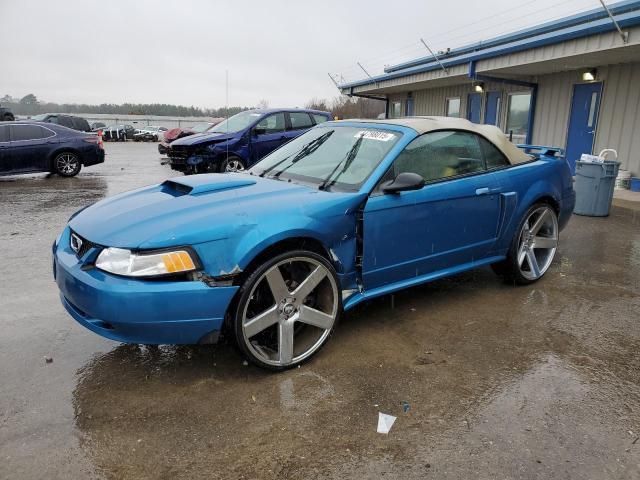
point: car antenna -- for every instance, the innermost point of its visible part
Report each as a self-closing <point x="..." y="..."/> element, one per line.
<point x="227" y="108"/>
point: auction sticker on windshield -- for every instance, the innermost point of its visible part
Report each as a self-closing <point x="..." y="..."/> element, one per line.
<point x="375" y="135"/>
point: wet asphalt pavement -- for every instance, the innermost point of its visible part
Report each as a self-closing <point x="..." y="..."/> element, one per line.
<point x="501" y="381"/>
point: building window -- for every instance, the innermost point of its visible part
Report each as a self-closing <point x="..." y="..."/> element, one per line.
<point x="396" y="109"/>
<point x="453" y="107"/>
<point x="518" y="116"/>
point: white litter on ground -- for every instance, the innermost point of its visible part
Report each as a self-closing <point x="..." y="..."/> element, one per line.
<point x="385" y="422"/>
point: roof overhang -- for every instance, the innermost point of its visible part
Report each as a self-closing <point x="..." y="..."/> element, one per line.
<point x="591" y="43"/>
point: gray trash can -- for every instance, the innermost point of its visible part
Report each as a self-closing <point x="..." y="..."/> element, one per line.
<point x="594" y="187"/>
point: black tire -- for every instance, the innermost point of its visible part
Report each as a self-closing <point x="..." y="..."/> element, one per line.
<point x="67" y="164"/>
<point x="232" y="160"/>
<point x="510" y="267"/>
<point x="8" y="117"/>
<point x="248" y="293"/>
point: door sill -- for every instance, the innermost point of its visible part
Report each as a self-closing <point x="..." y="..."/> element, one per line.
<point x="357" y="298"/>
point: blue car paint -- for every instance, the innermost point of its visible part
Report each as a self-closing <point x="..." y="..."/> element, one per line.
<point x="259" y="212"/>
<point x="211" y="148"/>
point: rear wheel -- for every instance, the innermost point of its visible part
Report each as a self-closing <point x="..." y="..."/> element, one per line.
<point x="67" y="164"/>
<point x="533" y="247"/>
<point x="8" y="117"/>
<point x="232" y="164"/>
<point x="287" y="310"/>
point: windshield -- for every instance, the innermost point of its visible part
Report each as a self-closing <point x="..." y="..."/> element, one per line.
<point x="200" y="127"/>
<point x="236" y="123"/>
<point x="39" y="118"/>
<point x="330" y="157"/>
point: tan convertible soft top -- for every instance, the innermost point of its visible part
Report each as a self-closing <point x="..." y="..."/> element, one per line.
<point x="490" y="132"/>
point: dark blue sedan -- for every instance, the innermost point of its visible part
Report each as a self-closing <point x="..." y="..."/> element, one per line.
<point x="27" y="147"/>
<point x="344" y="213"/>
<point x="240" y="141"/>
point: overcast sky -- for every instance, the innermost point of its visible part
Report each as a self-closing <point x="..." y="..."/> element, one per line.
<point x="178" y="51"/>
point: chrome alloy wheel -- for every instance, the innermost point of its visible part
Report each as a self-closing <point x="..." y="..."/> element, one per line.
<point x="291" y="310"/>
<point x="67" y="163"/>
<point x="234" y="165"/>
<point x="538" y="243"/>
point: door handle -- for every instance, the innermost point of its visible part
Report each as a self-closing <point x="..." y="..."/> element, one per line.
<point x="482" y="191"/>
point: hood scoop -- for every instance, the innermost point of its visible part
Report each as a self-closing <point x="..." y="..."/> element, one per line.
<point x="197" y="184"/>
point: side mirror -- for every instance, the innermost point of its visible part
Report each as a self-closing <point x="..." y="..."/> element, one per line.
<point x="259" y="131"/>
<point x="403" y="182"/>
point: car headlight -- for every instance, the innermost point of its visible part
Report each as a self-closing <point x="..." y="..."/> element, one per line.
<point x="125" y="262"/>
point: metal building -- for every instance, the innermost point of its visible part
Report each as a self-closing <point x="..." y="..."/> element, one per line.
<point x="573" y="83"/>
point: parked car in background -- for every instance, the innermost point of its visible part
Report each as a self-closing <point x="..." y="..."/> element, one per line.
<point x="118" y="133"/>
<point x="96" y="126"/>
<point x="149" y="133"/>
<point x="346" y="212"/>
<point x="27" y="147"/>
<point x="69" y="121"/>
<point x="242" y="140"/>
<point x="176" y="133"/>
<point x="6" y="115"/>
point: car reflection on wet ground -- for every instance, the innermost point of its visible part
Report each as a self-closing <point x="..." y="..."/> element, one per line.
<point x="501" y="382"/>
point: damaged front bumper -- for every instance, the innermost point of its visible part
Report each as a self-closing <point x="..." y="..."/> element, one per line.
<point x="135" y="310"/>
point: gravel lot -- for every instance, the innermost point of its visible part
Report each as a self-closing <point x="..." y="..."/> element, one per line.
<point x="502" y="382"/>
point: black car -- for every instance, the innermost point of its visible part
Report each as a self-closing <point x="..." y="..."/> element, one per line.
<point x="27" y="147"/>
<point x="6" y="115"/>
<point x="118" y="133"/>
<point x="69" y="121"/>
<point x="96" y="126"/>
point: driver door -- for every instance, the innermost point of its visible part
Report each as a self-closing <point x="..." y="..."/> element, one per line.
<point x="267" y="135"/>
<point x="451" y="221"/>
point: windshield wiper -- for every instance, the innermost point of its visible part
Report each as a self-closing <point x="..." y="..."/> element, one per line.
<point x="307" y="150"/>
<point x="347" y="160"/>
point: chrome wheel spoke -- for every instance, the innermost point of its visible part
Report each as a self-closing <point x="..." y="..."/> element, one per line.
<point x="540" y="221"/>
<point x="277" y="285"/>
<point x="309" y="283"/>
<point x="522" y="254"/>
<point x="261" y="322"/>
<point x="314" y="317"/>
<point x="285" y="342"/>
<point x="533" y="263"/>
<point x="545" y="242"/>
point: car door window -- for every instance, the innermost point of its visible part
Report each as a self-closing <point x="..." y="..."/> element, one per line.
<point x="21" y="133"/>
<point x="80" y="124"/>
<point x="4" y="133"/>
<point x="65" y="122"/>
<point x="300" y="120"/>
<point x="493" y="157"/>
<point x="319" y="118"/>
<point x="272" y="124"/>
<point x="439" y="155"/>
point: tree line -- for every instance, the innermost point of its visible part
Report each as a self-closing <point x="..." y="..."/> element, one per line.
<point x="340" y="107"/>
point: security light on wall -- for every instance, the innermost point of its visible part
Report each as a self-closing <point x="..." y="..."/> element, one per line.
<point x="589" y="75"/>
<point x="479" y="87"/>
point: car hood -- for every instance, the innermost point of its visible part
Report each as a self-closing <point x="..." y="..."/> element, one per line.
<point x="202" y="208"/>
<point x="204" y="138"/>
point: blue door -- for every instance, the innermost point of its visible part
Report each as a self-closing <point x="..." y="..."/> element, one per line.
<point x="474" y="107"/>
<point x="267" y="135"/>
<point x="450" y="222"/>
<point x="583" y="121"/>
<point x="492" y="113"/>
<point x="408" y="107"/>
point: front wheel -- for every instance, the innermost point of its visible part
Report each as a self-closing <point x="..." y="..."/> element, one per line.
<point x="287" y="310"/>
<point x="533" y="247"/>
<point x="67" y="164"/>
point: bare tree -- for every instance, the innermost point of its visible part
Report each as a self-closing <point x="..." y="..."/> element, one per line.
<point x="263" y="104"/>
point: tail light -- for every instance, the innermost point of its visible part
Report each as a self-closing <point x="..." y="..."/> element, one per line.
<point x="95" y="139"/>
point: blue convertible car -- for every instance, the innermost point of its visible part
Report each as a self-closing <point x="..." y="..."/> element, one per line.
<point x="345" y="212"/>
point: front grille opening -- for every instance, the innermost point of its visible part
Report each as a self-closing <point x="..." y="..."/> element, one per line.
<point x="85" y="245"/>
